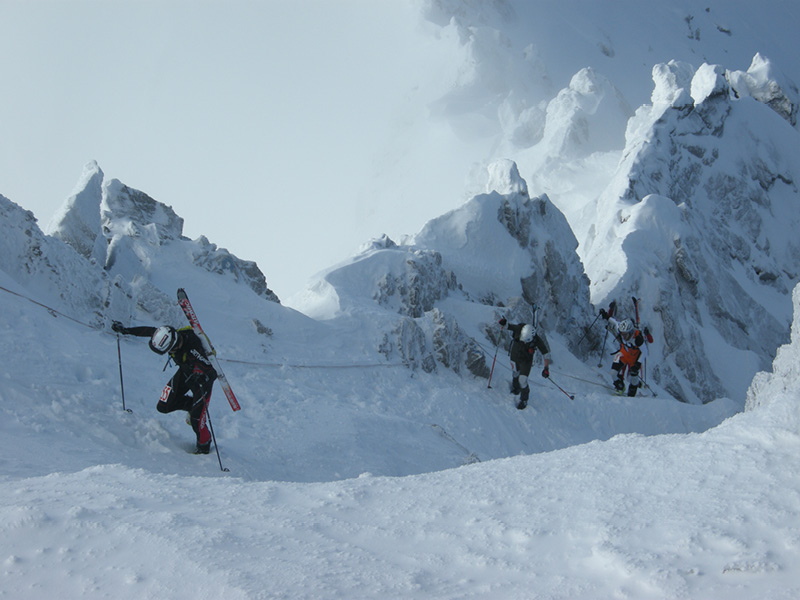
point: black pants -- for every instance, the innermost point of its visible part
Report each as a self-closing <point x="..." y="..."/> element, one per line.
<point x="190" y="390"/>
<point x="635" y="379"/>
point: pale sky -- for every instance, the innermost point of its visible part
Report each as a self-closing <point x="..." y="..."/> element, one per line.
<point x="268" y="126"/>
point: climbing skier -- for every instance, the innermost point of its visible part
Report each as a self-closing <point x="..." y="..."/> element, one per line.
<point x="631" y="354"/>
<point x="190" y="387"/>
<point x="525" y="340"/>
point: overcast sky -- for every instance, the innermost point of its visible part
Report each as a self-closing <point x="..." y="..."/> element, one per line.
<point x="268" y="126"/>
<point x="292" y="132"/>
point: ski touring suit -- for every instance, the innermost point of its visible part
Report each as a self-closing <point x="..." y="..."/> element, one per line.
<point x="190" y="387"/>
<point x="632" y="352"/>
<point x="522" y="354"/>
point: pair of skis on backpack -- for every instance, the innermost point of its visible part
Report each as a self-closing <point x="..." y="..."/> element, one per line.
<point x="188" y="310"/>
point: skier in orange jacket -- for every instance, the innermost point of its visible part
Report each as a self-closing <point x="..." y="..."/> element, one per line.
<point x="631" y="354"/>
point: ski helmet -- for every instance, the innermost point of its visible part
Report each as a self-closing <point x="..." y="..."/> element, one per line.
<point x="625" y="326"/>
<point x="526" y="335"/>
<point x="163" y="339"/>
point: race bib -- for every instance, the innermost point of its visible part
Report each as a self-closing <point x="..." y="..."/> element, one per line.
<point x="165" y="393"/>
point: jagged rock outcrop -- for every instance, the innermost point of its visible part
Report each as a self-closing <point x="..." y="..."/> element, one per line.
<point x="416" y="289"/>
<point x="55" y="274"/>
<point x="762" y="82"/>
<point x="408" y="342"/>
<point x="78" y="222"/>
<point x="489" y="253"/>
<point x="117" y="226"/>
<point x="503" y="244"/>
<point x="697" y="213"/>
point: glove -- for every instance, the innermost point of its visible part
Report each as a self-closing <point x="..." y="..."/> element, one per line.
<point x="604" y="314"/>
<point x="118" y="327"/>
<point x="503" y="322"/>
<point x="546" y="373"/>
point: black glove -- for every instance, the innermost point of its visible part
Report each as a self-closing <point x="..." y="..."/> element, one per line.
<point x="118" y="327"/>
<point x="503" y="322"/>
<point x="604" y="314"/>
<point x="546" y="373"/>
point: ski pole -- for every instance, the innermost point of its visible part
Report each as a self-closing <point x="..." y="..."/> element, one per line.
<point x="612" y="308"/>
<point x="214" y="439"/>
<point x="121" y="385"/>
<point x="587" y="330"/>
<point x="570" y="396"/>
<point x="497" y="346"/>
<point x="646" y="343"/>
<point x="494" y="360"/>
<point x="603" y="348"/>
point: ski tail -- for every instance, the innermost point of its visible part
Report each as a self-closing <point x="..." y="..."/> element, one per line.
<point x="191" y="316"/>
<point x="226" y="389"/>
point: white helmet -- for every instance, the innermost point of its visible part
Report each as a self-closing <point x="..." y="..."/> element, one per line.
<point x="526" y="335"/>
<point x="163" y="339"/>
<point x="625" y="326"/>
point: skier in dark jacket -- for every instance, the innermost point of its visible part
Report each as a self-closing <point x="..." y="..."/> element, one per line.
<point x="525" y="341"/>
<point x="190" y="387"/>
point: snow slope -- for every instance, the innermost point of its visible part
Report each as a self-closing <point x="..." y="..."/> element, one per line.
<point x="98" y="502"/>
<point x="350" y="475"/>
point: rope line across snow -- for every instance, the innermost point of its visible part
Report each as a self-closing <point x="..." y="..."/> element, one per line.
<point x="56" y="313"/>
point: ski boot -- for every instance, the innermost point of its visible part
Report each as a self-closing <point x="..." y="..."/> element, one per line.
<point x="523" y="398"/>
<point x="203" y="448"/>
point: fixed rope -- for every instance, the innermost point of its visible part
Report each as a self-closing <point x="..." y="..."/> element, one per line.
<point x="56" y="313"/>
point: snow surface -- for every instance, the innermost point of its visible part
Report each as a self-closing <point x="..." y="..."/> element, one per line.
<point x="350" y="475"/>
<point x="344" y="483"/>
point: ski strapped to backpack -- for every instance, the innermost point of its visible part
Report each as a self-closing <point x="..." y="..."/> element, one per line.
<point x="612" y="308"/>
<point x="183" y="301"/>
<point x="648" y="339"/>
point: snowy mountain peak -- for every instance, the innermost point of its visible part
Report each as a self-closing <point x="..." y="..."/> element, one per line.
<point x="136" y="210"/>
<point x="115" y="253"/>
<point x="499" y="253"/>
<point x="504" y="178"/>
<point x="723" y="261"/>
<point x="78" y="222"/>
<point x="764" y="82"/>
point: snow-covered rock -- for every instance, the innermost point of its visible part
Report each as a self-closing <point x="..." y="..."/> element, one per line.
<point x="715" y="268"/>
<point x="504" y="244"/>
<point x="49" y="269"/>
<point x="779" y="388"/>
<point x="763" y="82"/>
<point x="78" y="221"/>
<point x="123" y="229"/>
<point x="500" y="253"/>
